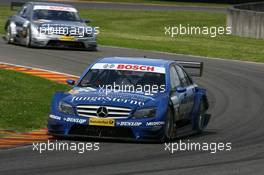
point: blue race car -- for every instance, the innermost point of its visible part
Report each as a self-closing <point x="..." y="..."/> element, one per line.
<point x="132" y="98"/>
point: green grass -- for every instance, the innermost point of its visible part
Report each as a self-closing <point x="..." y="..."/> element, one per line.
<point x="162" y="2"/>
<point x="145" y="30"/>
<point x="25" y="100"/>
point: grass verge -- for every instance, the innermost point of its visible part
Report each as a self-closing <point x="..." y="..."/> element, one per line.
<point x="145" y="30"/>
<point x="160" y="2"/>
<point x="25" y="100"/>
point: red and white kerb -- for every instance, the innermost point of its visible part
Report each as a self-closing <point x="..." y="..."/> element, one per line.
<point x="58" y="8"/>
<point x="130" y="67"/>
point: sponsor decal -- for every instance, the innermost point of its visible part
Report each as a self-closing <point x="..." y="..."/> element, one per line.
<point x="135" y="67"/>
<point x="159" y="123"/>
<point x="74" y="120"/>
<point x="59" y="8"/>
<point x="55" y="117"/>
<point x="129" y="123"/>
<point x="107" y="99"/>
<point x="101" y="122"/>
<point x="108" y="66"/>
<point x="130" y="67"/>
<point x="67" y="38"/>
<point x="41" y="21"/>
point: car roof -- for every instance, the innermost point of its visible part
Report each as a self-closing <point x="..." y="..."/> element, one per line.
<point x="50" y="4"/>
<point x="136" y="60"/>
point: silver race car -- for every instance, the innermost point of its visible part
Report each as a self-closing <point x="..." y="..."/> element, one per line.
<point x="39" y="24"/>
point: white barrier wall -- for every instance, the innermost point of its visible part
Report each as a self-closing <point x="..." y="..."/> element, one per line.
<point x="247" y="20"/>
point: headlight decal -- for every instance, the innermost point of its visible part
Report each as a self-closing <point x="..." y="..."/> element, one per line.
<point x="65" y="108"/>
<point x="145" y="113"/>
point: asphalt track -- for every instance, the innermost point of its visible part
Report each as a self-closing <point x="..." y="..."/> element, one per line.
<point x="236" y="97"/>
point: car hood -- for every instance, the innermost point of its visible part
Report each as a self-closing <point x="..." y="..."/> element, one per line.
<point x="57" y="23"/>
<point x="81" y="96"/>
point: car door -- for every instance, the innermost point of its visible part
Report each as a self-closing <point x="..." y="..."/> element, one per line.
<point x="186" y="82"/>
<point x="177" y="99"/>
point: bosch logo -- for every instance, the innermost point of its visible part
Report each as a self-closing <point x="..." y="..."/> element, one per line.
<point x="135" y="67"/>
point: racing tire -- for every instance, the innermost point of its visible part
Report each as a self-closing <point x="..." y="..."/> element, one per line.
<point x="57" y="137"/>
<point x="28" y="37"/>
<point x="92" y="48"/>
<point x="169" y="127"/>
<point x="8" y="35"/>
<point x="200" y="119"/>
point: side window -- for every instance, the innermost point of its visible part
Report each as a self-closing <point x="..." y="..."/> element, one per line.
<point x="174" y="78"/>
<point x="188" y="79"/>
<point x="25" y="11"/>
<point x="183" y="77"/>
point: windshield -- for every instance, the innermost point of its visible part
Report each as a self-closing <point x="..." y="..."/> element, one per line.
<point x="55" y="15"/>
<point x="132" y="81"/>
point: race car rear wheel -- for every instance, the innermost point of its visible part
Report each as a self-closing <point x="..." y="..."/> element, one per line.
<point x="200" y="119"/>
<point x="169" y="127"/>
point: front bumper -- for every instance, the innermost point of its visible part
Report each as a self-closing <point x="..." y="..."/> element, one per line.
<point x="55" y="41"/>
<point x="139" y="129"/>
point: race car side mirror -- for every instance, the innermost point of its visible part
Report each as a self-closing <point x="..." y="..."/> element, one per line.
<point x="86" y="20"/>
<point x="180" y="89"/>
<point x="70" y="82"/>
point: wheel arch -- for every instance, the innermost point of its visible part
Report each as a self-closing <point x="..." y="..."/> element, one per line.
<point x="170" y="106"/>
<point x="199" y="98"/>
<point x="6" y="24"/>
<point x="204" y="101"/>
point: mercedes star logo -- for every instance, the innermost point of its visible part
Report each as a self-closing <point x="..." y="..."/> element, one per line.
<point x="102" y="111"/>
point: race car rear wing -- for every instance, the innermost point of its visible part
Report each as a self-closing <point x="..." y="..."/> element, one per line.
<point x="16" y="4"/>
<point x="191" y="67"/>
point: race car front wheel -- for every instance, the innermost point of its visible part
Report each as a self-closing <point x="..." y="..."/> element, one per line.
<point x="92" y="48"/>
<point x="28" y="37"/>
<point x="8" y="35"/>
<point x="169" y="128"/>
